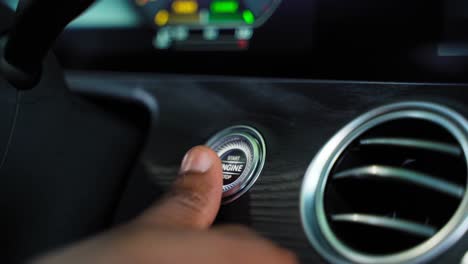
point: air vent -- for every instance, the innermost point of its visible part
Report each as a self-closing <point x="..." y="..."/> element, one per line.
<point x="390" y="186"/>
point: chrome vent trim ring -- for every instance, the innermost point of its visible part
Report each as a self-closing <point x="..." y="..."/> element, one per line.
<point x="313" y="213"/>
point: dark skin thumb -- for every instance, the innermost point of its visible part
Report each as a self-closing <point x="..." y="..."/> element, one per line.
<point x="195" y="197"/>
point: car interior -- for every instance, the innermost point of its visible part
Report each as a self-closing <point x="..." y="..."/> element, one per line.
<point x="342" y="126"/>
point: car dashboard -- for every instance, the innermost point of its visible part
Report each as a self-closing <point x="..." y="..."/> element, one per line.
<point x="358" y="108"/>
<point x="357" y="40"/>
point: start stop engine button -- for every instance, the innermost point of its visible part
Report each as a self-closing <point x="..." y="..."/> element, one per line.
<point x="242" y="153"/>
<point x="234" y="162"/>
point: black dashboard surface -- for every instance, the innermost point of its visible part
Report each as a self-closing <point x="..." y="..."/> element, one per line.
<point x="296" y="118"/>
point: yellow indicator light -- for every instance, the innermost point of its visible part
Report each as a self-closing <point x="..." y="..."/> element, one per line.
<point x="185" y="6"/>
<point x="161" y="18"/>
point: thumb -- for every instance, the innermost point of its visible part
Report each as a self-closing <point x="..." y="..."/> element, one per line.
<point x="195" y="197"/>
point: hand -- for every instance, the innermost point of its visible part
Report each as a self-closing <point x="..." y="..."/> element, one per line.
<point x="177" y="228"/>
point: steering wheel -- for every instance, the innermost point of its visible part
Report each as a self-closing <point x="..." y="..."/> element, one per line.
<point x="64" y="158"/>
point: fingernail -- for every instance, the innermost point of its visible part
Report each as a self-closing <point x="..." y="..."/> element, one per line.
<point x="196" y="161"/>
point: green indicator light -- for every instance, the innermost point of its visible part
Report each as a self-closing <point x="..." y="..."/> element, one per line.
<point x="224" y="6"/>
<point x="248" y="16"/>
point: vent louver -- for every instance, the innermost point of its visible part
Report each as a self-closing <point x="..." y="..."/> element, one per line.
<point x="389" y="187"/>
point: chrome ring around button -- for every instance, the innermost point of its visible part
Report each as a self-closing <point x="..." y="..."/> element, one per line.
<point x="242" y="151"/>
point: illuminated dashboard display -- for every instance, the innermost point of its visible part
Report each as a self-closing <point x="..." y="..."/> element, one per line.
<point x="206" y="24"/>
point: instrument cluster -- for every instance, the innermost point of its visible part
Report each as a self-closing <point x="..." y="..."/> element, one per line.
<point x="205" y="24"/>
